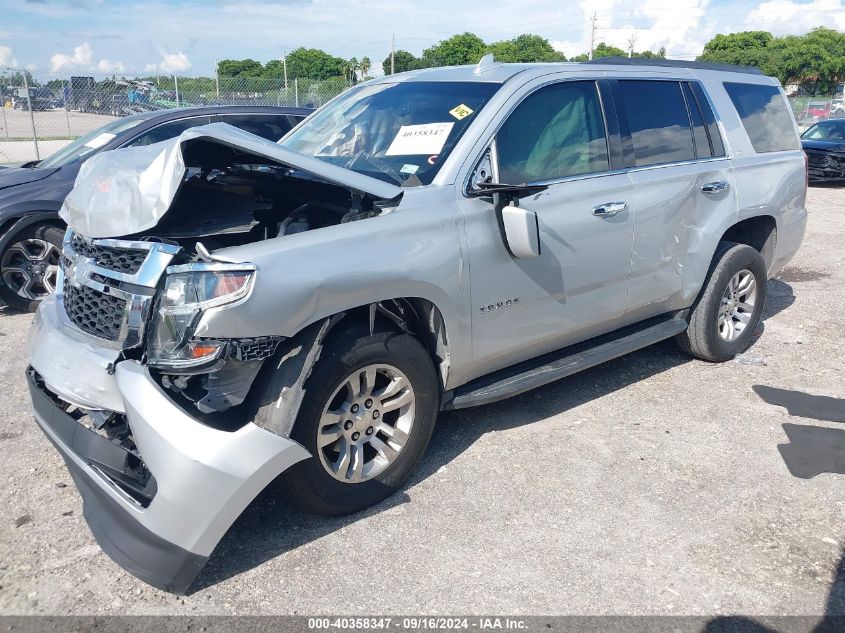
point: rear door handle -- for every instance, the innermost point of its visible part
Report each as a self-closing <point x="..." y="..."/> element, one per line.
<point x="714" y="187"/>
<point x="609" y="209"/>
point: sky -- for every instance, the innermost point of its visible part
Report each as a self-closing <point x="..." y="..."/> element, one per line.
<point x="189" y="36"/>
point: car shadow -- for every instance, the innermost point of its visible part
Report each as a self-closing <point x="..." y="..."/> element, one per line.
<point x="779" y="296"/>
<point x="273" y="524"/>
<point x="811" y="450"/>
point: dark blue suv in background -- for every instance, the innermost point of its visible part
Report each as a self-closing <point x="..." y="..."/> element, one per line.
<point x="32" y="194"/>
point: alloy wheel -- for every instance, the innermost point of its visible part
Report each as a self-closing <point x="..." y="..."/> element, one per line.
<point x="29" y="268"/>
<point x="737" y="305"/>
<point x="366" y="423"/>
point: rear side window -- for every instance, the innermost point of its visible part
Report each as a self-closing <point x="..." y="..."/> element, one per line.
<point x="269" y="126"/>
<point x="658" y="121"/>
<point x="557" y="131"/>
<point x="765" y="116"/>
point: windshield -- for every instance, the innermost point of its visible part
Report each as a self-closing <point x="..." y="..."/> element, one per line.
<point x="398" y="132"/>
<point x="84" y="145"/>
<point x="828" y="131"/>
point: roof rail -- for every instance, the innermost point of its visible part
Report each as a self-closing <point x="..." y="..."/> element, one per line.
<point x="675" y="63"/>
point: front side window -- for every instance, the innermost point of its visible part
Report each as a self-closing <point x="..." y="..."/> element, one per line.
<point x="398" y="132"/>
<point x="765" y="116"/>
<point x="167" y="131"/>
<point x="658" y="121"/>
<point x="555" y="132"/>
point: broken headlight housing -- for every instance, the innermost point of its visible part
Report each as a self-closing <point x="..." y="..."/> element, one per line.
<point x="189" y="291"/>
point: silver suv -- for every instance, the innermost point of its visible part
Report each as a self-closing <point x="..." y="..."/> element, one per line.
<point x="231" y="310"/>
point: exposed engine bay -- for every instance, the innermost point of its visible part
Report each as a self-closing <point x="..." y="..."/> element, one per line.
<point x="230" y="197"/>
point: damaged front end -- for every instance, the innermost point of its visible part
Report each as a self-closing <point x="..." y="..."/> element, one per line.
<point x="825" y="166"/>
<point x="168" y="431"/>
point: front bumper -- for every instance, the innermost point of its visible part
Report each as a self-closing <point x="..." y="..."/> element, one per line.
<point x="825" y="166"/>
<point x="204" y="477"/>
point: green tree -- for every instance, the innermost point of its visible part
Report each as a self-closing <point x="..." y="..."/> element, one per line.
<point x="747" y="48"/>
<point x="525" y="48"/>
<point x="350" y="70"/>
<point x="364" y="67"/>
<point x="660" y="54"/>
<point x="402" y="61"/>
<point x="240" y="68"/>
<point x="601" y="50"/>
<point x="313" y="63"/>
<point x="465" y="48"/>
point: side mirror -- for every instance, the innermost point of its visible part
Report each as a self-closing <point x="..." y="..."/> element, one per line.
<point x="521" y="231"/>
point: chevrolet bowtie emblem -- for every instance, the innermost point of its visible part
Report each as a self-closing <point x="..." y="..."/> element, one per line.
<point x="80" y="271"/>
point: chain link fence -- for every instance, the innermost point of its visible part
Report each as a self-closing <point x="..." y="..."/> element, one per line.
<point x="811" y="109"/>
<point x="42" y="113"/>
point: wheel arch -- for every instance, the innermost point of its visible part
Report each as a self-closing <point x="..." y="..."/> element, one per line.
<point x="279" y="386"/>
<point x="14" y="225"/>
<point x="758" y="232"/>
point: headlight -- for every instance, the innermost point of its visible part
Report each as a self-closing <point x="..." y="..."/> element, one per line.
<point x="189" y="291"/>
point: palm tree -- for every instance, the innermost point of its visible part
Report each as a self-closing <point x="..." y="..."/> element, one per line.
<point x="351" y="68"/>
<point x="364" y="67"/>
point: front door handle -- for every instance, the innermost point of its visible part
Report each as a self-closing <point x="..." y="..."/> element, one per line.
<point x="714" y="187"/>
<point x="609" y="209"/>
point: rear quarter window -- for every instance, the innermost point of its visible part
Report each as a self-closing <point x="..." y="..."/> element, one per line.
<point x="765" y="116"/>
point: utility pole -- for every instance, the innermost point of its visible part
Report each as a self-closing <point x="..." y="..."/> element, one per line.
<point x="392" y="53"/>
<point x="593" y="35"/>
<point x="285" y="64"/>
<point x="217" y="78"/>
<point x="631" y="41"/>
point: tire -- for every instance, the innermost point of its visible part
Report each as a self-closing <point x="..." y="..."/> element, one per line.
<point x="310" y="481"/>
<point x="20" y="288"/>
<point x="717" y="340"/>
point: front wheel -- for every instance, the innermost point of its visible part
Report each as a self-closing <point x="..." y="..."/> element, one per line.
<point x="367" y="417"/>
<point x="29" y="266"/>
<point x="730" y="307"/>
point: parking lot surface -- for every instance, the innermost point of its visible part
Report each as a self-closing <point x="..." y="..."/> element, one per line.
<point x="654" y="484"/>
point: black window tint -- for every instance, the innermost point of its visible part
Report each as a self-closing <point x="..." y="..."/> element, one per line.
<point x="658" y="121"/>
<point x="168" y="130"/>
<point x="269" y="126"/>
<point x="709" y="119"/>
<point x="555" y="132"/>
<point x="765" y="116"/>
<point x="699" y="132"/>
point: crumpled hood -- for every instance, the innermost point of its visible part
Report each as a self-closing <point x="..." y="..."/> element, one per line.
<point x="826" y="146"/>
<point x="12" y="176"/>
<point x="127" y="191"/>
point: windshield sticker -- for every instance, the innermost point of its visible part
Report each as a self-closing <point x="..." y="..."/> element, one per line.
<point x="409" y="169"/>
<point x="428" y="138"/>
<point x="461" y="112"/>
<point x="99" y="140"/>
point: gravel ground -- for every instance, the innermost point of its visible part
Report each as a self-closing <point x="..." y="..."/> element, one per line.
<point x="654" y="484"/>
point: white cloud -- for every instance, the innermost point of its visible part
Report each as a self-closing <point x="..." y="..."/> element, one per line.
<point x="82" y="55"/>
<point x="787" y="17"/>
<point x="108" y="66"/>
<point x="170" y="63"/>
<point x="6" y="57"/>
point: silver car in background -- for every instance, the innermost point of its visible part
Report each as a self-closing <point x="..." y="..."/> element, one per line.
<point x="231" y="310"/>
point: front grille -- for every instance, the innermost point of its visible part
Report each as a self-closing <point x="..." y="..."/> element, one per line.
<point x="94" y="312"/>
<point x="817" y="160"/>
<point x="120" y="260"/>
